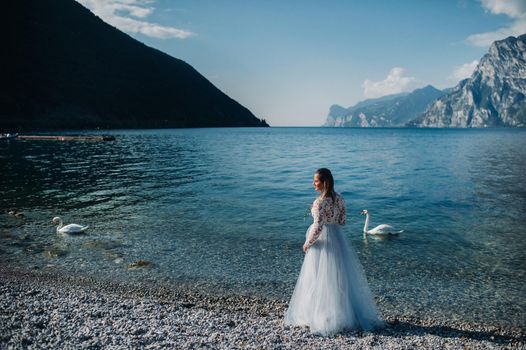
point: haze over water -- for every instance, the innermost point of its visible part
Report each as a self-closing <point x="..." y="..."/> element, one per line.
<point x="222" y="210"/>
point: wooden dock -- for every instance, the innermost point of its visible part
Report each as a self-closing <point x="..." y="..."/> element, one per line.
<point x="66" y="138"/>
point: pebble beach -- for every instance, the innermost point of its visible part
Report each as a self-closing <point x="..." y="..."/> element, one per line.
<point x="41" y="310"/>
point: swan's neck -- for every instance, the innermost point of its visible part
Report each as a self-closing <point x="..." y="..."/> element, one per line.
<point x="366" y="226"/>
<point x="60" y="224"/>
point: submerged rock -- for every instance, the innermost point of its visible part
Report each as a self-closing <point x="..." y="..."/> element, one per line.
<point x="139" y="264"/>
<point x="5" y="233"/>
<point x="53" y="253"/>
<point x="17" y="213"/>
<point x="102" y="245"/>
<point x="111" y="255"/>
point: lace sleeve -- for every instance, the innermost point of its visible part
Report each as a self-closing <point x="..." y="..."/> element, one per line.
<point x="342" y="215"/>
<point x="318" y="213"/>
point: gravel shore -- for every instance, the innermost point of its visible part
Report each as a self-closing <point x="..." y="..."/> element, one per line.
<point x="41" y="310"/>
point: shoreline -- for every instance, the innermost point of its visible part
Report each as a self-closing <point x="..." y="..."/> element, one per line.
<point x="48" y="310"/>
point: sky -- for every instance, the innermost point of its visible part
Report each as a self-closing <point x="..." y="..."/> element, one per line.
<point x="288" y="61"/>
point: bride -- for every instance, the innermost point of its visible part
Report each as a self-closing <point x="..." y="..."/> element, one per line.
<point x="331" y="293"/>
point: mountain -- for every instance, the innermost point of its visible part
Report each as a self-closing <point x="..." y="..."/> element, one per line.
<point x="63" y="67"/>
<point x="388" y="111"/>
<point x="493" y="96"/>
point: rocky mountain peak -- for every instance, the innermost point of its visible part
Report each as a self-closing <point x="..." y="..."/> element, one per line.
<point x="387" y="111"/>
<point x="494" y="95"/>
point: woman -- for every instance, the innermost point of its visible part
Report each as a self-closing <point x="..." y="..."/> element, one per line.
<point x="331" y="293"/>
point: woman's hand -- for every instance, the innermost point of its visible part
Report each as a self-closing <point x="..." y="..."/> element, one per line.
<point x="305" y="247"/>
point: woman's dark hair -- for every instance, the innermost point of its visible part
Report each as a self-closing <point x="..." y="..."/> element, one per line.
<point x="327" y="180"/>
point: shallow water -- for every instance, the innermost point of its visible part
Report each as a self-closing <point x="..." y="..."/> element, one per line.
<point x="223" y="210"/>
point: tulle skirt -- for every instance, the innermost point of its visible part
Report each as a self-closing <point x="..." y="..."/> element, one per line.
<point x="332" y="293"/>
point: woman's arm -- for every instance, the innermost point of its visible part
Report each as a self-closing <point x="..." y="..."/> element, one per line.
<point x="342" y="215"/>
<point x="319" y="215"/>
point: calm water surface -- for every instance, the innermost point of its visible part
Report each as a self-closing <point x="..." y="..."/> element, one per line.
<point x="222" y="210"/>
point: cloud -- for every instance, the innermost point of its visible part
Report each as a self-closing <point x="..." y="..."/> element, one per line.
<point x="510" y="8"/>
<point x="515" y="9"/>
<point x="464" y="71"/>
<point x="393" y="84"/>
<point x="119" y="13"/>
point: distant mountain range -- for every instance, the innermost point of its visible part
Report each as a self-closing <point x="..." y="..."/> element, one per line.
<point x="493" y="96"/>
<point x="388" y="111"/>
<point x="63" y="67"/>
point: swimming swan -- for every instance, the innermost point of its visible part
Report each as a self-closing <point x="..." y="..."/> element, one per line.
<point x="379" y="230"/>
<point x="71" y="228"/>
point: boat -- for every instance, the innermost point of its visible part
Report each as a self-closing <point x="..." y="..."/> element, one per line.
<point x="8" y="136"/>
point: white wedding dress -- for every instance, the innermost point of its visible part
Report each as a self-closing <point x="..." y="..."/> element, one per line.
<point x="331" y="293"/>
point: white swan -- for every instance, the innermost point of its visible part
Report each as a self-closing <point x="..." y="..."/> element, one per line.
<point x="71" y="228"/>
<point x="380" y="230"/>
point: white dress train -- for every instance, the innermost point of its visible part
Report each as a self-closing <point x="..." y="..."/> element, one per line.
<point x="331" y="293"/>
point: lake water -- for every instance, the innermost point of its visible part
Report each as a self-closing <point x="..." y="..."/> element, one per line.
<point x="222" y="210"/>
